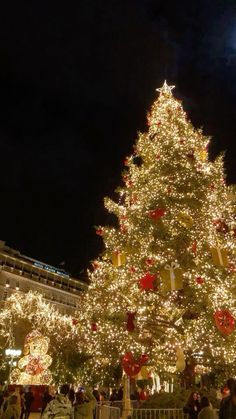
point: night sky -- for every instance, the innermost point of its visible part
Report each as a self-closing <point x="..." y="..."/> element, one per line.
<point x="76" y="81"/>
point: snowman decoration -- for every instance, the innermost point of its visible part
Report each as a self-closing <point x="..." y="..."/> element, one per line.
<point x="33" y="366"/>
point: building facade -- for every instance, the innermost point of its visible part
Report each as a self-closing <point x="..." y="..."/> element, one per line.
<point x="21" y="274"/>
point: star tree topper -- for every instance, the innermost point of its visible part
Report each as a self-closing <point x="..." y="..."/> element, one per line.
<point x="165" y="88"/>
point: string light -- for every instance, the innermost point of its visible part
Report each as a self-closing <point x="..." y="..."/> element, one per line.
<point x="173" y="174"/>
<point x="30" y="313"/>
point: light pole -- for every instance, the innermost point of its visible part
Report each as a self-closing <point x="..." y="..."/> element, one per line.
<point x="12" y="353"/>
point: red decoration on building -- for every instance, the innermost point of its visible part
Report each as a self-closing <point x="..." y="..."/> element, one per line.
<point x="130" y="325"/>
<point x="146" y="282"/>
<point x="74" y="322"/>
<point x="224" y="322"/>
<point x="157" y="213"/>
<point x="99" y="231"/>
<point x="131" y="366"/>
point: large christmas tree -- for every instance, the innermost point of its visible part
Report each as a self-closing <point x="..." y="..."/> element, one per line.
<point x="164" y="288"/>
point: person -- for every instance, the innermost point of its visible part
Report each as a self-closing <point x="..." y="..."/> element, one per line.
<point x="120" y="393"/>
<point x="47" y="397"/>
<point x="17" y="393"/>
<point x="228" y="404"/>
<point x="192" y="406"/>
<point x="84" y="405"/>
<point x="1" y="395"/>
<point x="113" y="396"/>
<point x="71" y="396"/>
<point x="28" y="399"/>
<point x="206" y="411"/>
<point x="143" y="394"/>
<point x="4" y="403"/>
<point x="11" y="411"/>
<point x="60" y="406"/>
<point x="96" y="394"/>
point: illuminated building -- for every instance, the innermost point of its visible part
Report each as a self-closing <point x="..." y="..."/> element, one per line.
<point x="19" y="273"/>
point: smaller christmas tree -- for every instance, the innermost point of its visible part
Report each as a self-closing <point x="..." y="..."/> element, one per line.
<point x="33" y="366"/>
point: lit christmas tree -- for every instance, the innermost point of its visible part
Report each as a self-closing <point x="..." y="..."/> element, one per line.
<point x="164" y="288"/>
<point x="29" y="314"/>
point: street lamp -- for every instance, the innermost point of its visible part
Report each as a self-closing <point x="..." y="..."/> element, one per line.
<point x="12" y="353"/>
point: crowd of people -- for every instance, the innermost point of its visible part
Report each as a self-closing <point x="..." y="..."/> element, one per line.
<point x="198" y="407"/>
<point x="66" y="403"/>
<point x="69" y="403"/>
<point x="15" y="404"/>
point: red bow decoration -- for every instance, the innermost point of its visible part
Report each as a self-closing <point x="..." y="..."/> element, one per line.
<point x="157" y="213"/>
<point x="133" y="366"/>
<point x="34" y="366"/>
<point x="224" y="322"/>
<point x="146" y="282"/>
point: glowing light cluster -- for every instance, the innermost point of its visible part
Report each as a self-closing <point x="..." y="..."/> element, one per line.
<point x="33" y="367"/>
<point x="29" y="313"/>
<point x="166" y="213"/>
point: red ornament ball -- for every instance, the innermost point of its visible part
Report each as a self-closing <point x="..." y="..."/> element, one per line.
<point x="99" y="231"/>
<point x="200" y="280"/>
<point x="94" y="327"/>
<point x="149" y="262"/>
<point x="126" y="161"/>
<point x="190" y="155"/>
<point x="224" y="321"/>
<point x="232" y="268"/>
<point x="74" y="322"/>
<point x="220" y="226"/>
<point x="130" y="323"/>
<point x="95" y="265"/>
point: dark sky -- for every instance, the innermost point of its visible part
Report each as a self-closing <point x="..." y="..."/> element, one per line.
<point x="76" y="81"/>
